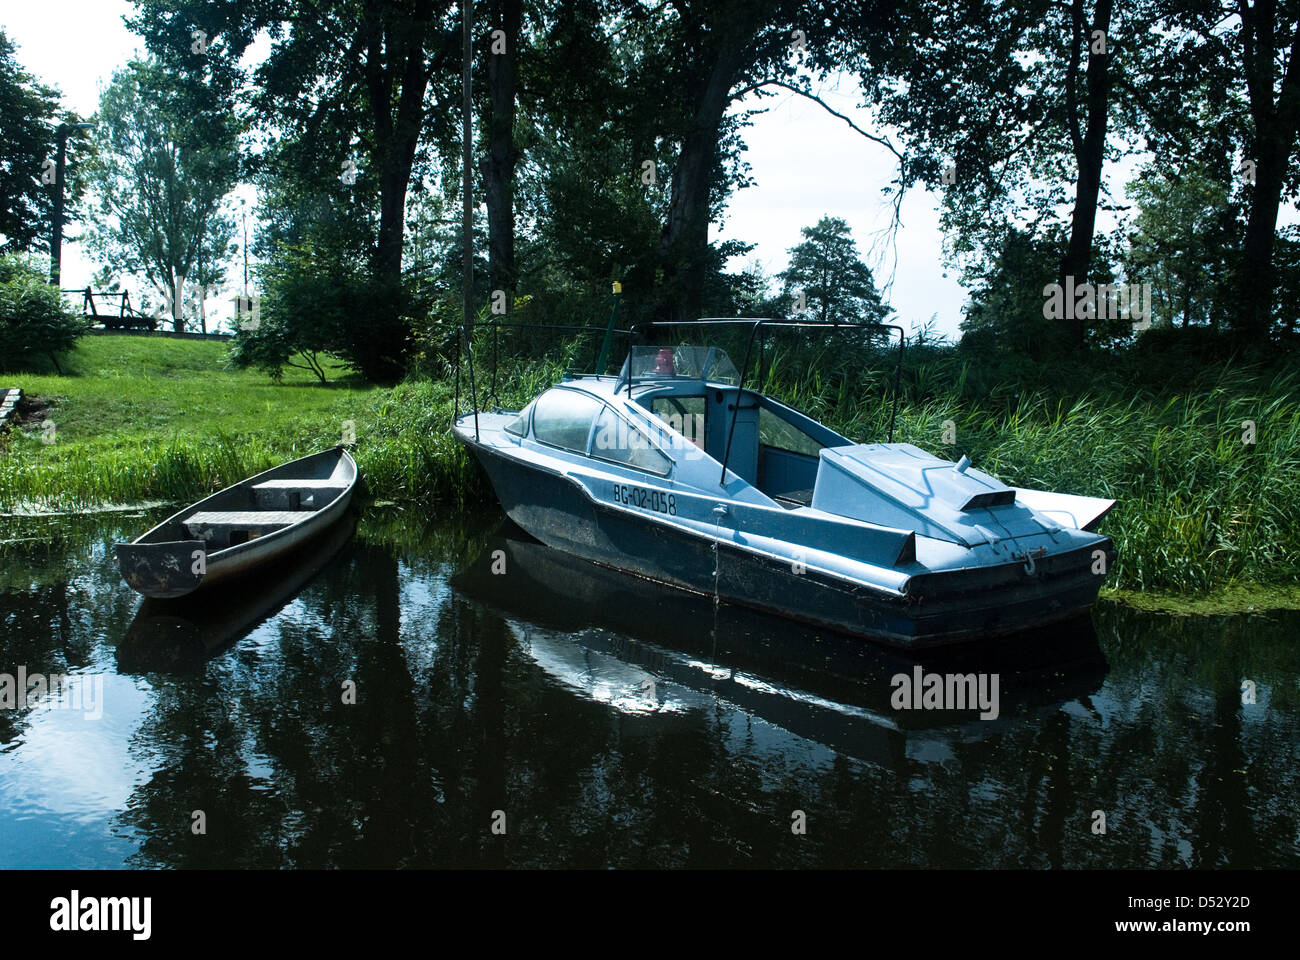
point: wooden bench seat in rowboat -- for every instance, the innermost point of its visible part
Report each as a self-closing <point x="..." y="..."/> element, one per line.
<point x="228" y="528"/>
<point x="294" y="494"/>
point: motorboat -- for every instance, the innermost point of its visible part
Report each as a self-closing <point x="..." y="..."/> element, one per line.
<point x="672" y="470"/>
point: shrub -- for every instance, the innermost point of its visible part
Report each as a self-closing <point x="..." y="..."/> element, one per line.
<point x="33" y="319"/>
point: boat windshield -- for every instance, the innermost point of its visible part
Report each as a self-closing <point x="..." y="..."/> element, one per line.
<point x="680" y="363"/>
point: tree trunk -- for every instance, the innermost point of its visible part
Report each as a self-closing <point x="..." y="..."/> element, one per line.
<point x="394" y="55"/>
<point x="1089" y="153"/>
<point x="178" y="318"/>
<point x="396" y="139"/>
<point x="683" y="244"/>
<point x="1275" y="133"/>
<point x="1258" y="275"/>
<point x="499" y="167"/>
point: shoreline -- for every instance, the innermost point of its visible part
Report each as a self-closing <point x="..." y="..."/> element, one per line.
<point x="1203" y="523"/>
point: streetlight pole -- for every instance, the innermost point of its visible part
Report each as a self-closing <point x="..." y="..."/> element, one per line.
<point x="467" y="184"/>
<point x="243" y="219"/>
<point x="56" y="241"/>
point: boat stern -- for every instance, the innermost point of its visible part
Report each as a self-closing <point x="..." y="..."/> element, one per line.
<point x="995" y="599"/>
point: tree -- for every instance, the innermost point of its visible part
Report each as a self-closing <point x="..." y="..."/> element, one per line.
<point x="680" y="69"/>
<point x="588" y="119"/>
<point x="749" y="293"/>
<point x="1269" y="44"/>
<point x="1182" y="242"/>
<point x="1011" y="109"/>
<point x="27" y="143"/>
<point x="354" y="92"/>
<point x="1005" y="313"/>
<point x="836" y="285"/>
<point x="160" y="176"/>
<point x="1226" y="88"/>
<point x="713" y="55"/>
<point x="33" y="318"/>
<point x="306" y="310"/>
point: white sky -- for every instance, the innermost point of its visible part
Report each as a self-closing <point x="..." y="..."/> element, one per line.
<point x="806" y="163"/>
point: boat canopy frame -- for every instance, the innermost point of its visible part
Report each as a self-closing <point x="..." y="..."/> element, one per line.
<point x="465" y="347"/>
<point x="644" y="332"/>
<point x="757" y="325"/>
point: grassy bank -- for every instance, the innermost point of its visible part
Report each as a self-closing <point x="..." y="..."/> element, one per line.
<point x="139" y="419"/>
<point x="1201" y="513"/>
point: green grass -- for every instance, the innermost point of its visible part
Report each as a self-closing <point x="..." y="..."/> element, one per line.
<point x="1200" y="513"/>
<point x="151" y="418"/>
<point x="166" y="386"/>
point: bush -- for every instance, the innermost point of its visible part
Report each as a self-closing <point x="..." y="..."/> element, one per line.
<point x="33" y="319"/>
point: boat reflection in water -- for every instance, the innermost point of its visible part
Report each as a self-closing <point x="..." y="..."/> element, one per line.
<point x="643" y="649"/>
<point x="180" y="635"/>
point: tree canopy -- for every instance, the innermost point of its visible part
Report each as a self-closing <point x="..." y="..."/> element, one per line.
<point x="829" y="279"/>
<point x="610" y="135"/>
<point x="160" y="174"/>
<point x="31" y="112"/>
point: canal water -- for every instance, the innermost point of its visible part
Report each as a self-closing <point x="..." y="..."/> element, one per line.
<point x="426" y="692"/>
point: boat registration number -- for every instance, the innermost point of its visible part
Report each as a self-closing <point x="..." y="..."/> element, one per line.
<point x="655" y="500"/>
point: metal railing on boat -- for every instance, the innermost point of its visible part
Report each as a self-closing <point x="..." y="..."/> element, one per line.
<point x="755" y="324"/>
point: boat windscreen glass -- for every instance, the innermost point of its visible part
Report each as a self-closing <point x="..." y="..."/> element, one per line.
<point x="684" y="362"/>
<point x="777" y="433"/>
<point x="618" y="441"/>
<point x="683" y="414"/>
<point x="563" y="418"/>
<point x="519" y="425"/>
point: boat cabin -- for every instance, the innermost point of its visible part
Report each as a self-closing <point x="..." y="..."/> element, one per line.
<point x="677" y="412"/>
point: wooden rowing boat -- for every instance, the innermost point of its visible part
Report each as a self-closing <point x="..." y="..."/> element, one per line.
<point x="183" y="634"/>
<point x="240" y="528"/>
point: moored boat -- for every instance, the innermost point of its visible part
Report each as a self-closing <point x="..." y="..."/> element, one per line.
<point x="240" y="528"/>
<point x="180" y="635"/>
<point x="674" y="471"/>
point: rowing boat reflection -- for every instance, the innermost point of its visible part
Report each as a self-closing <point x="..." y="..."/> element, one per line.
<point x="645" y="650"/>
<point x="181" y="635"/>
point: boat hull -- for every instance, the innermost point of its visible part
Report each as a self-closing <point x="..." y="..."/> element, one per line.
<point x="947" y="608"/>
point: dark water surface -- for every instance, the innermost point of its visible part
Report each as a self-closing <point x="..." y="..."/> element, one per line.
<point x="603" y="722"/>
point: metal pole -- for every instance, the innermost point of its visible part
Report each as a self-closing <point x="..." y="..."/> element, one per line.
<point x="243" y="219"/>
<point x="56" y="239"/>
<point x="898" y="373"/>
<point x="467" y="204"/>
<point x="603" y="356"/>
<point x="740" y="395"/>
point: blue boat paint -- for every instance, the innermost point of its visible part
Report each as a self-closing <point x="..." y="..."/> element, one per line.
<point x="890" y="543"/>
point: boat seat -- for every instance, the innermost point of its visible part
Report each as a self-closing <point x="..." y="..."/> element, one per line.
<point x="295" y="494"/>
<point x="228" y="528"/>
